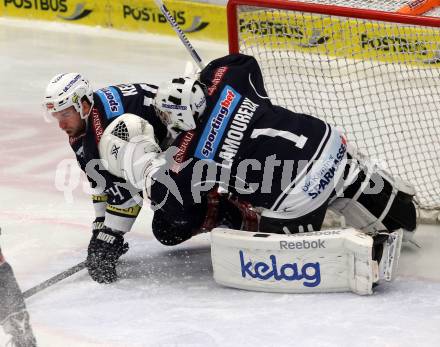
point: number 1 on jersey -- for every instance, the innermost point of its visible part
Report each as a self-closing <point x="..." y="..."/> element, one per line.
<point x="299" y="141"/>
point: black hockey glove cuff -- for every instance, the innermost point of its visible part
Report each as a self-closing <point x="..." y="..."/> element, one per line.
<point x="98" y="223"/>
<point x="105" y="248"/>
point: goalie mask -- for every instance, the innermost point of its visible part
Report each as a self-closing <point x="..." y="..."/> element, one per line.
<point x="180" y="103"/>
<point x="66" y="90"/>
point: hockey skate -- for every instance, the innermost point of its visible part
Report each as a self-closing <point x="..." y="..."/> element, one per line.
<point x="18" y="326"/>
<point x="386" y="252"/>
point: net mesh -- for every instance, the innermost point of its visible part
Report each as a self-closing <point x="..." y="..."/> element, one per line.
<point x="379" y="81"/>
<point x="121" y="131"/>
<point x="381" y="5"/>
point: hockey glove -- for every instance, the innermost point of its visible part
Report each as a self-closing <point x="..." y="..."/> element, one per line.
<point x="105" y="248"/>
<point x="98" y="224"/>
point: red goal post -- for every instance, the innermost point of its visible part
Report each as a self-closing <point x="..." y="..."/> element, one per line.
<point x="374" y="73"/>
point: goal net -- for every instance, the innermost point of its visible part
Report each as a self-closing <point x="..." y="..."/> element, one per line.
<point x="374" y="73"/>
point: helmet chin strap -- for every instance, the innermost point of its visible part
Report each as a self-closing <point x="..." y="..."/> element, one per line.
<point x="81" y="110"/>
<point x="84" y="123"/>
<point x="172" y="131"/>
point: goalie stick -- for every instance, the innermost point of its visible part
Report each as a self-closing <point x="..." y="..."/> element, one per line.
<point x="180" y="33"/>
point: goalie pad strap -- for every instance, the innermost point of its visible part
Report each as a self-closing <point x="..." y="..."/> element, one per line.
<point x="369" y="168"/>
<point x="390" y="211"/>
<point x="250" y="218"/>
<point x="210" y="221"/>
<point x="378" y="223"/>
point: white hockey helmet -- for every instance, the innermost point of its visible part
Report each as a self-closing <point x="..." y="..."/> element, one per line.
<point x="180" y="102"/>
<point x="68" y="89"/>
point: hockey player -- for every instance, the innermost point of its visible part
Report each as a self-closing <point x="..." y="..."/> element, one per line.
<point x="284" y="167"/>
<point x="13" y="314"/>
<point x="84" y="115"/>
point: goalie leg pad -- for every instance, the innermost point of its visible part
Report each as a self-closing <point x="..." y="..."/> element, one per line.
<point x="321" y="261"/>
<point x="373" y="200"/>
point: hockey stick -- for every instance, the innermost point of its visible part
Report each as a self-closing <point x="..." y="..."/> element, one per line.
<point x="180" y="33"/>
<point x="51" y="281"/>
<point x="55" y="279"/>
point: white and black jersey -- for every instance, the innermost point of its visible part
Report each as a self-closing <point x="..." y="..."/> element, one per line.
<point x="282" y="162"/>
<point x="113" y="202"/>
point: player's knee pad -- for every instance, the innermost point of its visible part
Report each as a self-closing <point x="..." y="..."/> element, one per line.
<point x="373" y="200"/>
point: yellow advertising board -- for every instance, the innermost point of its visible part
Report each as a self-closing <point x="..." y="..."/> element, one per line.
<point x="198" y="20"/>
<point x="309" y="33"/>
<point x="343" y="37"/>
<point x="91" y="12"/>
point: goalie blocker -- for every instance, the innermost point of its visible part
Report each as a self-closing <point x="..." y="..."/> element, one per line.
<point x="337" y="260"/>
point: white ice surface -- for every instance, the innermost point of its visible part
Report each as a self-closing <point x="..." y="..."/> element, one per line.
<point x="166" y="296"/>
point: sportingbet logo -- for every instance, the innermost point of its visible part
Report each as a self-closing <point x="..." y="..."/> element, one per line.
<point x="216" y="125"/>
<point x="309" y="272"/>
<point x="217" y="122"/>
<point x="111" y="101"/>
